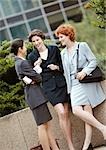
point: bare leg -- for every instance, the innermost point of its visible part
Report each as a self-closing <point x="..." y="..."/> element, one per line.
<point x="68" y="121"/>
<point x="88" y="130"/>
<point x="65" y="123"/>
<point x="51" y="138"/>
<point x="89" y="118"/>
<point x="43" y="137"/>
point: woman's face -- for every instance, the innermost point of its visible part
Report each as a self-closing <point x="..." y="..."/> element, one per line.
<point x="37" y="42"/>
<point x="63" y="39"/>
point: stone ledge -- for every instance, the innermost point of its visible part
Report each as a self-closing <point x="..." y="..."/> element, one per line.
<point x="18" y="131"/>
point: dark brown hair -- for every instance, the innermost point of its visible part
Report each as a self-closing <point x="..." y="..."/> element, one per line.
<point x="15" y="45"/>
<point x="36" y="32"/>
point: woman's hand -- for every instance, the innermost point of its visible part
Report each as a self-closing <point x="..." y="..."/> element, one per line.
<point x="38" y="62"/>
<point x="53" y="67"/>
<point x="80" y="75"/>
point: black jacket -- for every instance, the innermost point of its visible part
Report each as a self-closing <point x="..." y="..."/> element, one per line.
<point x="50" y="78"/>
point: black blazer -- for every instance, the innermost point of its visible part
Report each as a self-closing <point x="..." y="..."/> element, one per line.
<point x="33" y="93"/>
<point x="50" y="78"/>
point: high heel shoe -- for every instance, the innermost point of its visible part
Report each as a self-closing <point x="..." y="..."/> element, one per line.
<point x="90" y="147"/>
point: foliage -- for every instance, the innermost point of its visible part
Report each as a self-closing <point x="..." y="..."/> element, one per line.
<point x="98" y="8"/>
<point x="94" y="36"/>
<point x="11" y="98"/>
<point x="11" y="90"/>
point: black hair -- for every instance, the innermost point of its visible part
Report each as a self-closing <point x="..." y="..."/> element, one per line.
<point x="15" y="45"/>
<point x="36" y="32"/>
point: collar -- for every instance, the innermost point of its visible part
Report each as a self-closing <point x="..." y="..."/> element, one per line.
<point x="19" y="57"/>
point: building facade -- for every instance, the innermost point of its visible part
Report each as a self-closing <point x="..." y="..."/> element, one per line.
<point x="19" y="17"/>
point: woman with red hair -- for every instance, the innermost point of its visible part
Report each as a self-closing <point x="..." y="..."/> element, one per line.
<point x="84" y="96"/>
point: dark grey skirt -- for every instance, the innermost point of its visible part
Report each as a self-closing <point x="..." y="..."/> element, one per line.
<point x="41" y="114"/>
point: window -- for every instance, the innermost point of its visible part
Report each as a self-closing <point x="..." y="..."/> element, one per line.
<point x="48" y="1"/>
<point x="15" y="19"/>
<point x="74" y="14"/>
<point x="38" y="24"/>
<point x="33" y="14"/>
<point x="2" y="24"/>
<point x="19" y="31"/>
<point x="10" y="6"/>
<point x="55" y="20"/>
<point x="28" y="4"/>
<point x="69" y="3"/>
<point x="52" y="8"/>
<point x="4" y="35"/>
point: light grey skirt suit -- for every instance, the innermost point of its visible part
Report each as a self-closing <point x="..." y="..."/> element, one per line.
<point x="81" y="93"/>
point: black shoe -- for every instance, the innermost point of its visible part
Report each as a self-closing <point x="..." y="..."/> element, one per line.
<point x="90" y="147"/>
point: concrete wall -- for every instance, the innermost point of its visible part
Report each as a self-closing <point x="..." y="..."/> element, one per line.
<point x="18" y="131"/>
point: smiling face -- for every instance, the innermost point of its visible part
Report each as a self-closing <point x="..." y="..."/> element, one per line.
<point x="37" y="42"/>
<point x="63" y="39"/>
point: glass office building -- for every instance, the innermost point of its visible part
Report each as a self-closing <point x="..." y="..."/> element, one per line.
<point x="19" y="17"/>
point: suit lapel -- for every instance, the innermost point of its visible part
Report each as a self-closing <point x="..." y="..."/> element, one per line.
<point x="66" y="56"/>
<point x="50" y="52"/>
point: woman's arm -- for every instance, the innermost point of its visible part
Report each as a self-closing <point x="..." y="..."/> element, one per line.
<point x="90" y="57"/>
<point x="27" y="70"/>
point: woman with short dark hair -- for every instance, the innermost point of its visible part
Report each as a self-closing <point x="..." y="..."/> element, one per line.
<point x="34" y="95"/>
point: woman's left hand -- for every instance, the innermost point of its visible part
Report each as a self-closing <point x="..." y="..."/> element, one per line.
<point x="53" y="67"/>
<point x="80" y="75"/>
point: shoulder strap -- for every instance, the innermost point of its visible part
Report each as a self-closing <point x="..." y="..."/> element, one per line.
<point x="77" y="54"/>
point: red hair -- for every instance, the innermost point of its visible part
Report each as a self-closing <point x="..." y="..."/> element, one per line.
<point x="67" y="30"/>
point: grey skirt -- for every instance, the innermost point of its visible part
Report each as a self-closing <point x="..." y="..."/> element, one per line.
<point x="41" y="114"/>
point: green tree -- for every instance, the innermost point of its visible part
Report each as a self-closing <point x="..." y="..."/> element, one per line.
<point x="98" y="8"/>
<point x="11" y="91"/>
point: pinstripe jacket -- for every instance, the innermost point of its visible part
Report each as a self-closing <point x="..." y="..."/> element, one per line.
<point x="33" y="92"/>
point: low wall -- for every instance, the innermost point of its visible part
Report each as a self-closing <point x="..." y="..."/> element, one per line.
<point x="18" y="131"/>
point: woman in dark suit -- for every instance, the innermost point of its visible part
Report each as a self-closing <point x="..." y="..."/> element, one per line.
<point x="53" y="81"/>
<point x="34" y="95"/>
